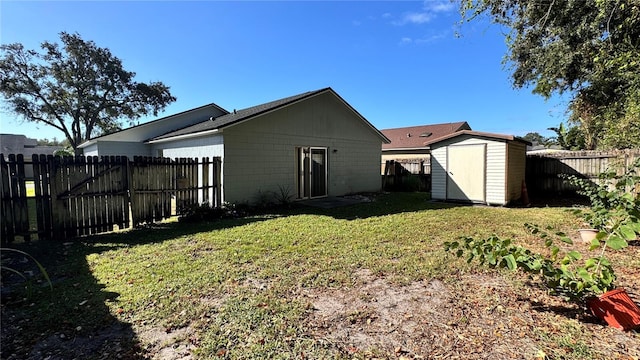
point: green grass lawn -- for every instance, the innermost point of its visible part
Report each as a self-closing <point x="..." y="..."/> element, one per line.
<point x="244" y="288"/>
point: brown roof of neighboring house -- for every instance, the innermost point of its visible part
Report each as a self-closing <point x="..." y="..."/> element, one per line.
<point x="414" y="137"/>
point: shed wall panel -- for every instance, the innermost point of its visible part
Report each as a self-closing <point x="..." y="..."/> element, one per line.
<point x="496" y="177"/>
<point x="516" y="167"/>
<point x="439" y="173"/>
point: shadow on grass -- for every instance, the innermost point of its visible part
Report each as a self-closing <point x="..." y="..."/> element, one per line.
<point x="382" y="205"/>
<point x="568" y="311"/>
<point x="74" y="321"/>
<point x="551" y="200"/>
<point x="70" y="321"/>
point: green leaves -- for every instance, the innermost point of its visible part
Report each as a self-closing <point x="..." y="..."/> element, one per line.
<point x="494" y="252"/>
<point x="510" y="261"/>
<point x="76" y="87"/>
<point x="628" y="232"/>
<point x="588" y="49"/>
<point x="616" y="243"/>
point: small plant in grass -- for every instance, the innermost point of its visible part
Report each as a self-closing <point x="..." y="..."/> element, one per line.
<point x="614" y="212"/>
<point x="566" y="273"/>
<point x="284" y="195"/>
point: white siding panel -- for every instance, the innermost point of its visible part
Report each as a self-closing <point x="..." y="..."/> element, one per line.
<point x="120" y="148"/>
<point x="439" y="173"/>
<point x="496" y="167"/>
<point x="516" y="166"/>
<point x="199" y="147"/>
<point x="91" y="150"/>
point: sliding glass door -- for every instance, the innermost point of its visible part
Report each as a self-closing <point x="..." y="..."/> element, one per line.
<point x="312" y="172"/>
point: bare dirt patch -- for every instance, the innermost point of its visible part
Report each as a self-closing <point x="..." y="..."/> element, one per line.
<point x="167" y="345"/>
<point x="480" y="317"/>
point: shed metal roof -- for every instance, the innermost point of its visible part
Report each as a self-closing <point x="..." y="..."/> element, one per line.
<point x="481" y="134"/>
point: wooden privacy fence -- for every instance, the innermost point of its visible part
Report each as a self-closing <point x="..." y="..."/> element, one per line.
<point x="409" y="175"/>
<point x="544" y="172"/>
<point x="77" y="196"/>
<point x="14" y="207"/>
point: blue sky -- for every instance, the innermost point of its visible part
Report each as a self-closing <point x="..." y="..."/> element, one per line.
<point x="398" y="63"/>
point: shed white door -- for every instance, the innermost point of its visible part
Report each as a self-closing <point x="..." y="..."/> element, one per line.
<point x="466" y="172"/>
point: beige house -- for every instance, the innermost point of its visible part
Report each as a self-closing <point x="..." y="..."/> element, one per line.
<point x="478" y="167"/>
<point x="309" y="145"/>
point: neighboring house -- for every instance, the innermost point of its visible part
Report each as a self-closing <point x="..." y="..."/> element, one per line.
<point x="410" y="146"/>
<point x="473" y="166"/>
<point x="413" y="142"/>
<point x="308" y="145"/>
<point x="27" y="147"/>
<point x="20" y="144"/>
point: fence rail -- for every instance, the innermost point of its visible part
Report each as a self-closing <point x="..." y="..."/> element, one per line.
<point x="77" y="196"/>
<point x="545" y="172"/>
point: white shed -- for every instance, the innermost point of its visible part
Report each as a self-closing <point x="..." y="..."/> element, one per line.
<point x="478" y="167"/>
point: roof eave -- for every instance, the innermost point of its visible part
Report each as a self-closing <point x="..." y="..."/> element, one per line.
<point x="152" y="122"/>
<point x="87" y="143"/>
<point x="406" y="149"/>
<point x="184" y="136"/>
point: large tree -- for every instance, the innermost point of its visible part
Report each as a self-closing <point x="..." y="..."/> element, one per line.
<point x="78" y="88"/>
<point x="589" y="49"/>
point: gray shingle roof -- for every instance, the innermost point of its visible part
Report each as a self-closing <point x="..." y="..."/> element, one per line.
<point x="237" y="116"/>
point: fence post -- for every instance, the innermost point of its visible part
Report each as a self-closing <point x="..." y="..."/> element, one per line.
<point x="19" y="195"/>
<point x="6" y="226"/>
<point x="217" y="178"/>
<point x="43" y="195"/>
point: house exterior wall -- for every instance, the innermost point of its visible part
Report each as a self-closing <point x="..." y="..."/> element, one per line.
<point x="516" y="167"/>
<point x="495" y="163"/>
<point x="91" y="150"/>
<point x="197" y="147"/>
<point x="260" y="154"/>
<point x="117" y="148"/>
